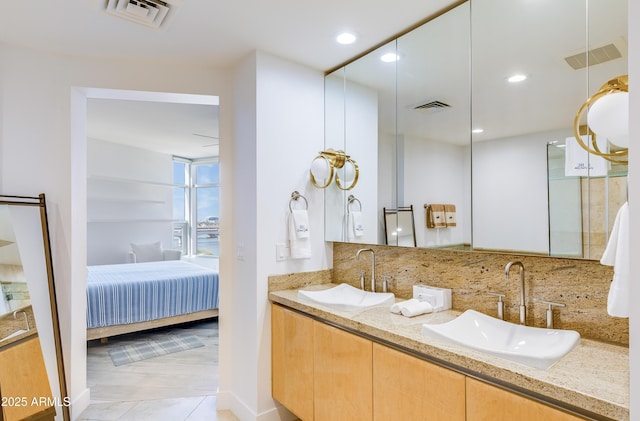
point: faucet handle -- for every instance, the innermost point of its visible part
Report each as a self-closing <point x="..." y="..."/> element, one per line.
<point x="550" y="305"/>
<point x="362" y="285"/>
<point x="500" y="303"/>
<point x="385" y="283"/>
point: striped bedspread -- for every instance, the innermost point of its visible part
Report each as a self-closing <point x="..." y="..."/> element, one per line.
<point x="139" y="292"/>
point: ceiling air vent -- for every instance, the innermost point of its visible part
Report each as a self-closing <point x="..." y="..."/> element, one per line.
<point x="432" y="105"/>
<point x="594" y="56"/>
<point x="151" y="13"/>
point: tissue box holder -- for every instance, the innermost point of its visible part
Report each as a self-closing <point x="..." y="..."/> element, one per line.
<point x="439" y="298"/>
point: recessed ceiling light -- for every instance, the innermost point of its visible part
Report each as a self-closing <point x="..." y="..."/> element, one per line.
<point x="478" y="130"/>
<point x="390" y="57"/>
<point x="346" y="38"/>
<point x="517" y="78"/>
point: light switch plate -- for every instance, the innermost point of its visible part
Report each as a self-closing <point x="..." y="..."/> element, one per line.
<point x="282" y="252"/>
<point x="240" y="252"/>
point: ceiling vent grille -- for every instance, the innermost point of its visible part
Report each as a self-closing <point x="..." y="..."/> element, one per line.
<point x="432" y="105"/>
<point x="151" y="13"/>
<point x="594" y="56"/>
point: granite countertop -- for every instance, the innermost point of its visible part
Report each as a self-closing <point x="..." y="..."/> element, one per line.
<point x="594" y="376"/>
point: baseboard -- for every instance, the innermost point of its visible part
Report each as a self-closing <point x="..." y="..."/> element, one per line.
<point x="80" y="404"/>
<point x="229" y="401"/>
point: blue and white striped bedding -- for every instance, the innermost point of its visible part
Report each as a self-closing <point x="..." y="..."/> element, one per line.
<point x="139" y="292"/>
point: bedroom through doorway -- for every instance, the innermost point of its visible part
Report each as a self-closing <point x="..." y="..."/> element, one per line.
<point x="152" y="237"/>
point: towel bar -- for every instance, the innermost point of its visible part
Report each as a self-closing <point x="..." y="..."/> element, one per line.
<point x="350" y="201"/>
<point x="294" y="197"/>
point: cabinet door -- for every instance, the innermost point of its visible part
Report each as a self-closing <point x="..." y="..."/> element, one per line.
<point x="24" y="383"/>
<point x="487" y="402"/>
<point x="407" y="388"/>
<point x="292" y="361"/>
<point x="343" y="375"/>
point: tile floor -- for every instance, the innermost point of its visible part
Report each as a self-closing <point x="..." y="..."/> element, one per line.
<point x="174" y="387"/>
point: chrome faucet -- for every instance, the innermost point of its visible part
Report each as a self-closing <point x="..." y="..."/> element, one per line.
<point x="523" y="306"/>
<point x="26" y="318"/>
<point x="373" y="266"/>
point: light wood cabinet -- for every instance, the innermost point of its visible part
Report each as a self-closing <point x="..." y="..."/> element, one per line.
<point x="292" y="361"/>
<point x="24" y="385"/>
<point x="408" y="388"/>
<point x="320" y="372"/>
<point x="343" y="375"/>
<point x="490" y="403"/>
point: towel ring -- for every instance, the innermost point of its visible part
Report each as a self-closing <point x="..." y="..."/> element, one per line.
<point x="294" y="197"/>
<point x="352" y="199"/>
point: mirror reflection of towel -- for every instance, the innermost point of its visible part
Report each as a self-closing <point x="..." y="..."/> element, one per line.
<point x="355" y="225"/>
<point x="450" y="215"/>
<point x="579" y="162"/>
<point x="436" y="216"/>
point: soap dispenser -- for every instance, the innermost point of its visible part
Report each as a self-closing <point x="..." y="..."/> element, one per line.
<point x="500" y="304"/>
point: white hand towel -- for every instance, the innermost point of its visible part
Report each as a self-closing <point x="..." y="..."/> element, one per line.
<point x="578" y="162"/>
<point x="301" y="219"/>
<point x="411" y="308"/>
<point x="397" y="308"/>
<point x="616" y="254"/>
<point x="300" y="248"/>
<point x="357" y="230"/>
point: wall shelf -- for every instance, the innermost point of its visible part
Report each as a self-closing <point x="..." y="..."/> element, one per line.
<point x="117" y="220"/>
<point x="125" y="200"/>
<point x="131" y="181"/>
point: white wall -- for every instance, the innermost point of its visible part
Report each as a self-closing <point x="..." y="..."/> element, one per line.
<point x="129" y="200"/>
<point x="278" y="113"/>
<point x="278" y="130"/>
<point x="38" y="96"/>
<point x="510" y="201"/>
<point x="352" y="125"/>
<point x="436" y="172"/>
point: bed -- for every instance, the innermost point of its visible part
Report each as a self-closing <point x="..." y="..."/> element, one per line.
<point x="130" y="297"/>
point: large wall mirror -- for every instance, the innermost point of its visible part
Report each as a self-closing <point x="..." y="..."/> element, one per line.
<point x="28" y="312"/>
<point x="441" y="124"/>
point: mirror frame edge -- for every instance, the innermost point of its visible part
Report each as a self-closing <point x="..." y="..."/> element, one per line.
<point x="40" y="202"/>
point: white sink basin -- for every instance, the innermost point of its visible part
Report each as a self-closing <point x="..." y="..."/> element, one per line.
<point x="347" y="298"/>
<point x="532" y="346"/>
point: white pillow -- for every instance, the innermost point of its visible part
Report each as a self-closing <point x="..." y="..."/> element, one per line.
<point x="147" y="252"/>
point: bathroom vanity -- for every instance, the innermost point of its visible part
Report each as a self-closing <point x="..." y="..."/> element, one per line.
<point x="374" y="365"/>
<point x="24" y="386"/>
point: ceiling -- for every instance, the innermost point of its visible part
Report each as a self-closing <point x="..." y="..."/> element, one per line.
<point x="218" y="34"/>
<point x="508" y="37"/>
<point x="202" y="32"/>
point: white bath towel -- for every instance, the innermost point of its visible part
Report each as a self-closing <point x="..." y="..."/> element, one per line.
<point x="355" y="225"/>
<point x="411" y="308"/>
<point x="579" y="162"/>
<point x="616" y="254"/>
<point x="300" y="248"/>
<point x="301" y="220"/>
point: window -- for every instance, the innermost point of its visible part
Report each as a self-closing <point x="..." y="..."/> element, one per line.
<point x="196" y="206"/>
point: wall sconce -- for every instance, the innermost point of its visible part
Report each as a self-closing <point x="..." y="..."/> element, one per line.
<point x="608" y="117"/>
<point x="324" y="166"/>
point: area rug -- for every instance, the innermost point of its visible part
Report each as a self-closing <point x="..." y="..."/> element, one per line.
<point x="152" y="348"/>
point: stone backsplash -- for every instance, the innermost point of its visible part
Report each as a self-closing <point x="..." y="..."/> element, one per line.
<point x="582" y="285"/>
